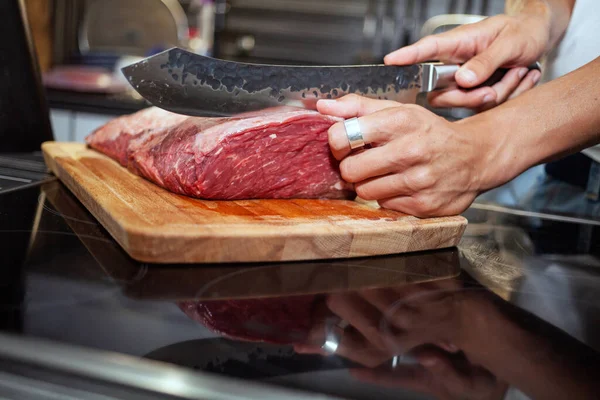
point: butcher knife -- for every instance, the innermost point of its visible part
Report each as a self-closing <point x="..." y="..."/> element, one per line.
<point x="191" y="84"/>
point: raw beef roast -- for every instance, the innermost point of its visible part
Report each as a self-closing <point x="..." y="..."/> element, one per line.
<point x="276" y="320"/>
<point x="276" y="153"/>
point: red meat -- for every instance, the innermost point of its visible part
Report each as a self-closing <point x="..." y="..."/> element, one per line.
<point x="281" y="320"/>
<point x="276" y="153"/>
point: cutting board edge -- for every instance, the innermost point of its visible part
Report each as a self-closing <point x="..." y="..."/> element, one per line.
<point x="283" y="248"/>
<point x="347" y="243"/>
<point x="116" y="230"/>
<point x="240" y="259"/>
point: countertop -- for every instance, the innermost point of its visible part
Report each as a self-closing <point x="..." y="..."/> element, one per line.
<point x="97" y="103"/>
<point x="513" y="310"/>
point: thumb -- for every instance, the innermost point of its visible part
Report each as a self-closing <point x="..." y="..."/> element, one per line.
<point x="353" y="105"/>
<point x="481" y="67"/>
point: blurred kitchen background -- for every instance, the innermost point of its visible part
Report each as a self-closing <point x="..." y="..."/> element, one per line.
<point x="82" y="44"/>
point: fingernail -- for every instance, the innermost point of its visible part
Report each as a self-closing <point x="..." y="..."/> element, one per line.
<point x="452" y="347"/>
<point x="489" y="98"/>
<point x="536" y="77"/>
<point x="327" y="102"/>
<point x="522" y="72"/>
<point x="429" y="362"/>
<point x="467" y="75"/>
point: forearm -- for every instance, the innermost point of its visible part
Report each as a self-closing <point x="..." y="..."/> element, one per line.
<point x="558" y="118"/>
<point x="555" y="14"/>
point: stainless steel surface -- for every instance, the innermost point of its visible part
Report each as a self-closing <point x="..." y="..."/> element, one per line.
<point x="445" y="22"/>
<point x="153" y="376"/>
<point x="119" y="26"/>
<point x="18" y="171"/>
<point x="437" y="76"/>
<point x="351" y="31"/>
<point x="187" y="83"/>
<point x="192" y="84"/>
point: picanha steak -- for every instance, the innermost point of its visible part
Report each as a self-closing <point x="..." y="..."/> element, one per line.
<point x="281" y="152"/>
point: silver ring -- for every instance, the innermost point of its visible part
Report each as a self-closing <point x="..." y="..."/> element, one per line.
<point x="353" y="133"/>
<point x="333" y="335"/>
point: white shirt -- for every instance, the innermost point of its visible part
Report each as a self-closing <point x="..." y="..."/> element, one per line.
<point x="579" y="46"/>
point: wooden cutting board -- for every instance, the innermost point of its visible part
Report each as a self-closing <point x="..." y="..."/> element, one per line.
<point x="157" y="226"/>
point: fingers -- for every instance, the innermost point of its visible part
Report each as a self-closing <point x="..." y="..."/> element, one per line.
<point x="379" y="161"/>
<point x="459" y="45"/>
<point x="530" y="80"/>
<point x="383" y="187"/>
<point x="367" y="164"/>
<point x="442" y="367"/>
<point x="424" y="206"/>
<point x="353" y="105"/>
<point x="353" y="347"/>
<point x="361" y="315"/>
<point x="441" y="47"/>
<point x="381" y="299"/>
<point x="305" y="348"/>
<point x="427" y="49"/>
<point x="479" y="68"/>
<point x="392" y="185"/>
<point x="376" y="128"/>
<point x="515" y="82"/>
<point x="407" y="205"/>
<point x="507" y="85"/>
<point x="459" y="377"/>
<point x="457" y="97"/>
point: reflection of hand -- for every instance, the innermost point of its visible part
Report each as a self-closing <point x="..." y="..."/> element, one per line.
<point x="439" y="374"/>
<point x="479" y="333"/>
<point x="387" y="322"/>
<point x="383" y="323"/>
<point x="418" y="163"/>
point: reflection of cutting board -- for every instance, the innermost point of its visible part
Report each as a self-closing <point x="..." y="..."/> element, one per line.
<point x="154" y="225"/>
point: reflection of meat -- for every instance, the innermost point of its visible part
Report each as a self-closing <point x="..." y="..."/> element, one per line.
<point x="276" y="320"/>
<point x="276" y="153"/>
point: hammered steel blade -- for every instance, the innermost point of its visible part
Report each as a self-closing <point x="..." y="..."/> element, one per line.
<point x="191" y="84"/>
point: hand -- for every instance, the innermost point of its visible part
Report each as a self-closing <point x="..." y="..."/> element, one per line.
<point x="407" y="320"/>
<point x="483" y="47"/>
<point x="418" y="163"/>
<point x="387" y="322"/>
<point x="443" y="375"/>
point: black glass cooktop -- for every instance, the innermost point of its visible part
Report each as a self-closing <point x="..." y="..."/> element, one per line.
<point x="511" y="313"/>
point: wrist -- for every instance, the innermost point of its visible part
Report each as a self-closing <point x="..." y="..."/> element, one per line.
<point x="550" y="18"/>
<point x="496" y="158"/>
<point x="538" y="16"/>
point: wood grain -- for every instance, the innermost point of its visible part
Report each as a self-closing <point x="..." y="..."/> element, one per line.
<point x="154" y="225"/>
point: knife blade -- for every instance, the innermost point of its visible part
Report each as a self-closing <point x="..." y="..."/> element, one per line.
<point x="191" y="84"/>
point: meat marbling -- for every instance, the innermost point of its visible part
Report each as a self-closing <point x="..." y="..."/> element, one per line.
<point x="281" y="152"/>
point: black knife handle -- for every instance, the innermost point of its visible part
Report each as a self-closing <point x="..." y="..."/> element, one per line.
<point x="499" y="74"/>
